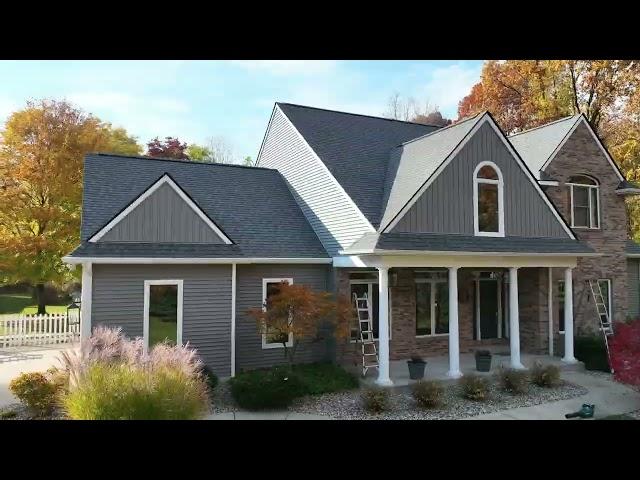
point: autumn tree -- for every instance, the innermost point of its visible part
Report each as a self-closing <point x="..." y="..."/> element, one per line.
<point x="198" y="153"/>
<point x="302" y="314"/>
<point x="41" y="156"/>
<point x="170" y="147"/>
<point x="217" y="150"/>
<point x="248" y="162"/>
<point x="410" y="110"/>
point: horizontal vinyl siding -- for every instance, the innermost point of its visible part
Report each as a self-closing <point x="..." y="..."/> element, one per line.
<point x="249" y="351"/>
<point x="447" y="205"/>
<point x="633" y="265"/>
<point x="333" y="217"/>
<point x="118" y="300"/>
<point x="162" y="217"/>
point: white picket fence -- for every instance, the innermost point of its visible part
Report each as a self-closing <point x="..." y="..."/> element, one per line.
<point x="35" y="330"/>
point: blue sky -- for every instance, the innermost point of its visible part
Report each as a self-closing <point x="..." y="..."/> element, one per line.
<point x="195" y="100"/>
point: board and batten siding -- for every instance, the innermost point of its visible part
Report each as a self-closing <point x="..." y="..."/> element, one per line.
<point x="447" y="205"/>
<point x="249" y="351"/>
<point x="163" y="217"/>
<point x="633" y="284"/>
<point x="118" y="301"/>
<point x="332" y="214"/>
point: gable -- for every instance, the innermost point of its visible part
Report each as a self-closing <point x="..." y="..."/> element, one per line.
<point x="162" y="214"/>
<point x="447" y="205"/>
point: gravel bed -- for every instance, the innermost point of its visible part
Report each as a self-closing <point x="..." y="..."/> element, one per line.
<point x="22" y="413"/>
<point x="222" y="401"/>
<point x="347" y="405"/>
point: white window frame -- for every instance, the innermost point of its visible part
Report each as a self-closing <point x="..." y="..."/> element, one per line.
<point x="500" y="184"/>
<point x="609" y="296"/>
<point x="432" y="299"/>
<point x="265" y="282"/>
<point x="371" y="283"/>
<point x="589" y="187"/>
<point x="147" y="302"/>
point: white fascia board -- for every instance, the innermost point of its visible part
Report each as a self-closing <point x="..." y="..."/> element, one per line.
<point x="435" y="253"/>
<point x="328" y="172"/>
<point x="165" y="179"/>
<point x="582" y="119"/>
<point x="548" y="183"/>
<point x="191" y="261"/>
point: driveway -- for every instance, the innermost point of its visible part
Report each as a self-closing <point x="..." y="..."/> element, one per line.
<point x="16" y="360"/>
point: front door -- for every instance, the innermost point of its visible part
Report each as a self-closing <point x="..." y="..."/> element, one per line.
<point x="488" y="311"/>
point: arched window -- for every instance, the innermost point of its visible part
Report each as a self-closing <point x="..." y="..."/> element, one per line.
<point x="488" y="200"/>
<point x="585" y="201"/>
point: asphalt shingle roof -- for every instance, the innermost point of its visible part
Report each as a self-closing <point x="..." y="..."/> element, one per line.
<point x="157" y="250"/>
<point x="253" y="206"/>
<point x="535" y="146"/>
<point x="466" y="243"/>
<point x="355" y="149"/>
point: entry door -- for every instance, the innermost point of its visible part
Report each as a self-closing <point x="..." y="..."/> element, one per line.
<point x="487" y="310"/>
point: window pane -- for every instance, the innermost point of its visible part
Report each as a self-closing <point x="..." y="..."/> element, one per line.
<point x="488" y="173"/>
<point x="604" y="288"/>
<point x="442" y="307"/>
<point x="594" y="208"/>
<point x="423" y="309"/>
<point x="581" y="216"/>
<point x="163" y="314"/>
<point x="582" y="179"/>
<point x="487" y="207"/>
<point x="275" y="337"/>
<point x="581" y="197"/>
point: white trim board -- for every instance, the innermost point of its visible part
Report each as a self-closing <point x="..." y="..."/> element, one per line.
<point x="483" y="119"/>
<point x="165" y="179"/>
<point x="147" y="300"/>
<point x="190" y="261"/>
<point x="582" y="119"/>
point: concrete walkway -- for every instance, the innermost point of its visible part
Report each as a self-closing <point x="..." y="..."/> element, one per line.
<point x="271" y="415"/>
<point x="609" y="398"/>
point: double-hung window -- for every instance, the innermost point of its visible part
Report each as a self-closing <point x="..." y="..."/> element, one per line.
<point x="162" y="312"/>
<point x="488" y="200"/>
<point x="584" y="193"/>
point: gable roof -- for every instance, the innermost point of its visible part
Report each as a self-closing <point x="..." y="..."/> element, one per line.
<point x="415" y="161"/>
<point x="232" y="195"/>
<point x="354" y="148"/>
<point x="539" y="145"/>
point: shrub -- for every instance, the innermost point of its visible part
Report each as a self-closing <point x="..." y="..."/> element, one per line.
<point x="36" y="391"/>
<point x="210" y="377"/>
<point x="266" y="389"/>
<point x="547" y="376"/>
<point x="319" y="378"/>
<point x="625" y="352"/>
<point x="474" y="387"/>
<point x="592" y="351"/>
<point x="375" y="400"/>
<point x="427" y="393"/>
<point x="8" y="414"/>
<point x="513" y="381"/>
<point x="111" y="378"/>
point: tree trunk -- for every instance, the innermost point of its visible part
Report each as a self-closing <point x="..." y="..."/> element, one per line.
<point x="40" y="298"/>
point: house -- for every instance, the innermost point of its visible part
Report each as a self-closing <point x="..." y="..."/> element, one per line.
<point x="461" y="237"/>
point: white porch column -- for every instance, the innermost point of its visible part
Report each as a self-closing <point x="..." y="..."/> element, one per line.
<point x="383" y="327"/>
<point x="568" y="316"/>
<point x="550" y="308"/>
<point x="454" y="331"/>
<point x="85" y="301"/>
<point x="514" y="319"/>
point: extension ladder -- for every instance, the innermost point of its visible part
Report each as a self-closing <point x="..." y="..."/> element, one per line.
<point x="365" y="328"/>
<point x="606" y="326"/>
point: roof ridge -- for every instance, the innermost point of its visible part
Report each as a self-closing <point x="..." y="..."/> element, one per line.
<point x="359" y="114"/>
<point x="443" y="128"/>
<point x="176" y="160"/>
<point x="563" y="119"/>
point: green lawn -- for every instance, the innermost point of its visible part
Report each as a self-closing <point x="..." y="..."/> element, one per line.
<point x="20" y="303"/>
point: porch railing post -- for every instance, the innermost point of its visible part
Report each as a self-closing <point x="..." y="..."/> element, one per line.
<point x="454" y="333"/>
<point x="383" y="327"/>
<point x="568" y="316"/>
<point x="514" y="319"/>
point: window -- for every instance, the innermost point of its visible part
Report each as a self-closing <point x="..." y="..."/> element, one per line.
<point x="162" y="312"/>
<point x="585" y="202"/>
<point x="605" y="288"/>
<point x="488" y="200"/>
<point x="432" y="304"/>
<point x="270" y="286"/>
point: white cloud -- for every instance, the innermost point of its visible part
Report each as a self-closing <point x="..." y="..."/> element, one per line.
<point x="448" y="85"/>
<point x="287" y="67"/>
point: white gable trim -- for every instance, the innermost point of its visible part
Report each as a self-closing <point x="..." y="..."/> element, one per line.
<point x="165" y="179"/>
<point x="486" y="118"/>
<point x="193" y="261"/>
<point x="582" y="119"/>
<point x="349" y="200"/>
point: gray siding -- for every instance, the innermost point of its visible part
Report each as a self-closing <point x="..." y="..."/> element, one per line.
<point x="160" y="218"/>
<point x="118" y="300"/>
<point x="447" y="205"/>
<point x="633" y="282"/>
<point x="249" y="351"/>
<point x="335" y="219"/>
